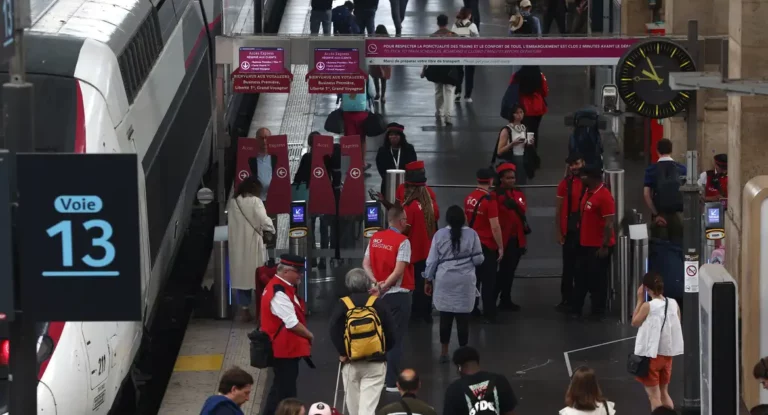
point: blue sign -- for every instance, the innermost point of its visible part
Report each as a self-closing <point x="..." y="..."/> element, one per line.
<point x="80" y="235"/>
<point x="372" y="214"/>
<point x="713" y="215"/>
<point x="297" y="214"/>
<point x="6" y="29"/>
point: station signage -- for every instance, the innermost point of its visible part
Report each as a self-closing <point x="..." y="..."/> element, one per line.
<point x="6" y="247"/>
<point x="336" y="71"/>
<point x="79" y="244"/>
<point x="489" y="51"/>
<point x="261" y="70"/>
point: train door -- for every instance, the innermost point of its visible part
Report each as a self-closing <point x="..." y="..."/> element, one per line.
<point x="96" y="336"/>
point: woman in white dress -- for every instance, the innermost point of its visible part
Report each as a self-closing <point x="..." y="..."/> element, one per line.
<point x="660" y="337"/>
<point x="247" y="222"/>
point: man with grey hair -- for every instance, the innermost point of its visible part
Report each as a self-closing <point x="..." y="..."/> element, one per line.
<point x="364" y="377"/>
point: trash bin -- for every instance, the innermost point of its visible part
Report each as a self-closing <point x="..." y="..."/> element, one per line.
<point x="666" y="258"/>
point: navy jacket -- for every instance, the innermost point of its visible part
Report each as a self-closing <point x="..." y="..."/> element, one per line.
<point x="220" y="405"/>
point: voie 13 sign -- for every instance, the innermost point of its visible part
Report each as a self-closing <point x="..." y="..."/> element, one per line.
<point x="80" y="255"/>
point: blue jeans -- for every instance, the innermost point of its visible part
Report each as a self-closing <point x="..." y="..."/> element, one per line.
<point x="244" y="298"/>
<point x="365" y="19"/>
<point x="316" y="17"/>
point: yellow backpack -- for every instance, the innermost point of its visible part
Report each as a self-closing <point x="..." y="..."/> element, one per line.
<point x="363" y="336"/>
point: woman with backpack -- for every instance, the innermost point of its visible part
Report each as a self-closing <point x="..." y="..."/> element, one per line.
<point x="512" y="142"/>
<point x="533" y="97"/>
<point x="465" y="28"/>
<point x="450" y="276"/>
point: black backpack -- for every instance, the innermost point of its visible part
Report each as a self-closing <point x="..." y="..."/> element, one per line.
<point x="485" y="405"/>
<point x="667" y="197"/>
<point x="586" y="139"/>
<point x="527" y="27"/>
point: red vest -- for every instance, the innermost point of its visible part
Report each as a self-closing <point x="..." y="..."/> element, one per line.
<point x="511" y="222"/>
<point x="383" y="252"/>
<point x="286" y="344"/>
<point x="420" y="239"/>
<point x="709" y="188"/>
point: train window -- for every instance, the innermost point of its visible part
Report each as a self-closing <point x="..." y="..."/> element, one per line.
<point x="140" y="55"/>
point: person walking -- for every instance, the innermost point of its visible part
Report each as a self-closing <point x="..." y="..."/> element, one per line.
<point x="464" y="27"/>
<point x="445" y="78"/>
<point x="387" y="261"/>
<point x="534" y="90"/>
<point x="365" y="15"/>
<point x="380" y="73"/>
<point x="455" y="253"/>
<point x="408" y="384"/>
<point x="320" y="15"/>
<point x="659" y="338"/>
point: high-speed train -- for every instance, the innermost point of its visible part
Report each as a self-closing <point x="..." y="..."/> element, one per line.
<point x="120" y="76"/>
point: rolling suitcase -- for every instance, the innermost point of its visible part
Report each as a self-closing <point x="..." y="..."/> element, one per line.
<point x="336" y="392"/>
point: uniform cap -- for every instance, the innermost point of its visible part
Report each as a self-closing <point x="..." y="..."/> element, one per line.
<point x="721" y="160"/>
<point x="415" y="165"/>
<point x="292" y="260"/>
<point x="484" y="176"/>
<point x="504" y="167"/>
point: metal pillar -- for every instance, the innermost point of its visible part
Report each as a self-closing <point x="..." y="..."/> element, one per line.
<point x="624" y="285"/>
<point x="615" y="181"/>
<point x="394" y="179"/>
<point x="691" y="246"/>
<point x="639" y="248"/>
<point x="221" y="287"/>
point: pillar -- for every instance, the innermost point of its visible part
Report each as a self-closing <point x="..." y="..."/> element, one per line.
<point x="747" y="155"/>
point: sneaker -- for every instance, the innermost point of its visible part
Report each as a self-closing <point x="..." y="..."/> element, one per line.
<point x="467" y="99"/>
<point x="391" y="389"/>
<point x="458" y="98"/>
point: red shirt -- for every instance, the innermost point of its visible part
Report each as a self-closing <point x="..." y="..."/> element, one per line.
<point x="535" y="104"/>
<point x="383" y="250"/>
<point x="577" y="190"/>
<point x="400" y="195"/>
<point x="285" y="344"/>
<point x="711" y="191"/>
<point x="511" y="222"/>
<point x="596" y="207"/>
<point x="418" y="235"/>
<point x="486" y="211"/>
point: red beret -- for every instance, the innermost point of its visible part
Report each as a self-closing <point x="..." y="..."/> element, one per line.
<point x="414" y="165"/>
<point x="505" y="166"/>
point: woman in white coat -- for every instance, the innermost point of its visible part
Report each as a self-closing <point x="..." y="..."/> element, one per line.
<point x="247" y="222"/>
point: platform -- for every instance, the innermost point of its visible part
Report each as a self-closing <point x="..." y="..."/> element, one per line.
<point x="530" y="347"/>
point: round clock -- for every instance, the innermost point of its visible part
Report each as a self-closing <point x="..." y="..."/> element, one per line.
<point x="642" y="76"/>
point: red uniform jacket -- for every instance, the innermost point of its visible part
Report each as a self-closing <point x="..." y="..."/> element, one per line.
<point x="511" y="223"/>
<point x="400" y="195"/>
<point x="711" y="191"/>
<point x="285" y="343"/>
<point x="383" y="252"/>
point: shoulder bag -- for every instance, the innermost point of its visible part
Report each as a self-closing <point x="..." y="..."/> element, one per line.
<point x="242" y="212"/>
<point x="406" y="407"/>
<point x="262" y="355"/>
<point x="471" y="223"/>
<point x="640" y="365"/>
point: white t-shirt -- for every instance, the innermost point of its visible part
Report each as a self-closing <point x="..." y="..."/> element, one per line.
<point x="518" y="132"/>
<point x="600" y="410"/>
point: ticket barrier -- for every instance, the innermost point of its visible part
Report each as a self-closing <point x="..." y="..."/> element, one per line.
<point x="714" y="230"/>
<point x="719" y="341"/>
<point x="298" y="241"/>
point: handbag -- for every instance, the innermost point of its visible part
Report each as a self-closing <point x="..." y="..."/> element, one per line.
<point x="262" y="355"/>
<point x="641" y="365"/>
<point x="335" y="121"/>
<point x="374" y="124"/>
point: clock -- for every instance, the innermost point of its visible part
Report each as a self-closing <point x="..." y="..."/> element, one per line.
<point x="642" y="76"/>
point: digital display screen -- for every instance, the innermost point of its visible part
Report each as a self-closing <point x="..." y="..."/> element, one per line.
<point x="713" y="215"/>
<point x="297" y="214"/>
<point x="372" y="214"/>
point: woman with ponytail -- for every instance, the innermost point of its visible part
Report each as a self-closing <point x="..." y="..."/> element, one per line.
<point x="450" y="276"/>
<point x="660" y="337"/>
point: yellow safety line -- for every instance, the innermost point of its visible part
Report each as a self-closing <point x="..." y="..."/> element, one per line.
<point x="199" y="363"/>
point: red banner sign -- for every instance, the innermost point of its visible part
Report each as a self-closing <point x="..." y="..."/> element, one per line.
<point x="352" y="200"/>
<point x="247" y="149"/>
<point x="279" y="192"/>
<point x="261" y="83"/>
<point x="321" y="198"/>
<point x="336" y="83"/>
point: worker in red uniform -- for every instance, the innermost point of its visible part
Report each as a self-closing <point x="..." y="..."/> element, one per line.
<point x="597" y="238"/>
<point x="483" y="216"/>
<point x="417" y="166"/>
<point x="715" y="181"/>
<point x="283" y="320"/>
<point x="387" y="261"/>
<point x="419" y="208"/>
<point x="514" y="227"/>
<point x="567" y="218"/>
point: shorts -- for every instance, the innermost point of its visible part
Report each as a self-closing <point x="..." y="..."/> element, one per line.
<point x="659" y="371"/>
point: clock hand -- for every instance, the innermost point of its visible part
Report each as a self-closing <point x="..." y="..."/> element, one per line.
<point x="655" y="75"/>
<point x="637" y="78"/>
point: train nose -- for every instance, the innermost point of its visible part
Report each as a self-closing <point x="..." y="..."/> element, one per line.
<point x="46" y="405"/>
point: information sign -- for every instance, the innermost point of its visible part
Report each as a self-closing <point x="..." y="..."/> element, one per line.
<point x="336" y="71"/>
<point x="79" y="245"/>
<point x="691" y="275"/>
<point x="6" y="28"/>
<point x="6" y="249"/>
<point x="261" y="70"/>
<point x="510" y="51"/>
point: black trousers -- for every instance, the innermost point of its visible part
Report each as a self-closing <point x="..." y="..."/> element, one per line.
<point x="286" y="372"/>
<point x="531" y="124"/>
<point x="462" y="327"/>
<point x="474" y="5"/>
<point x="570" y="262"/>
<point x="421" y="307"/>
<point x="555" y="13"/>
<point x="591" y="277"/>
<point x="507" y="267"/>
<point x="467" y="78"/>
<point x="486" y="281"/>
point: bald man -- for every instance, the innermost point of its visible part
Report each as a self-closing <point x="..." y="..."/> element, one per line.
<point x="263" y="164"/>
<point x="408" y="383"/>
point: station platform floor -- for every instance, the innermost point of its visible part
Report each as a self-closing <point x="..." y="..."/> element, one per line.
<point x="535" y="348"/>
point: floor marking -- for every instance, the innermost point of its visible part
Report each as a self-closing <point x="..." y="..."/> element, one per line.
<point x="522" y="372"/>
<point x="199" y="363"/>
<point x="568" y="360"/>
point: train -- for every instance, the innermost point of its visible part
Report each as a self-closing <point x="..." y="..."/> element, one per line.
<point x="121" y="76"/>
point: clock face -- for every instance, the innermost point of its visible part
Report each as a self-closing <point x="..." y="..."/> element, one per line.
<point x="643" y="78"/>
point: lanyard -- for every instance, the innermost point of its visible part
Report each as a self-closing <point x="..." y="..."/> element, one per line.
<point x="582" y="205"/>
<point x="396" y="160"/>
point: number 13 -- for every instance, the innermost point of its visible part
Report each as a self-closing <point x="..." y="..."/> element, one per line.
<point x="65" y="229"/>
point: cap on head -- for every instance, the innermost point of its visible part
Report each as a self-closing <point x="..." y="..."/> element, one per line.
<point x="484" y="176"/>
<point x="292" y="260"/>
<point x="414" y="165"/>
<point x="320" y="408"/>
<point x="505" y="167"/>
<point x="525" y="3"/>
<point x="721" y="160"/>
<point x="574" y="157"/>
